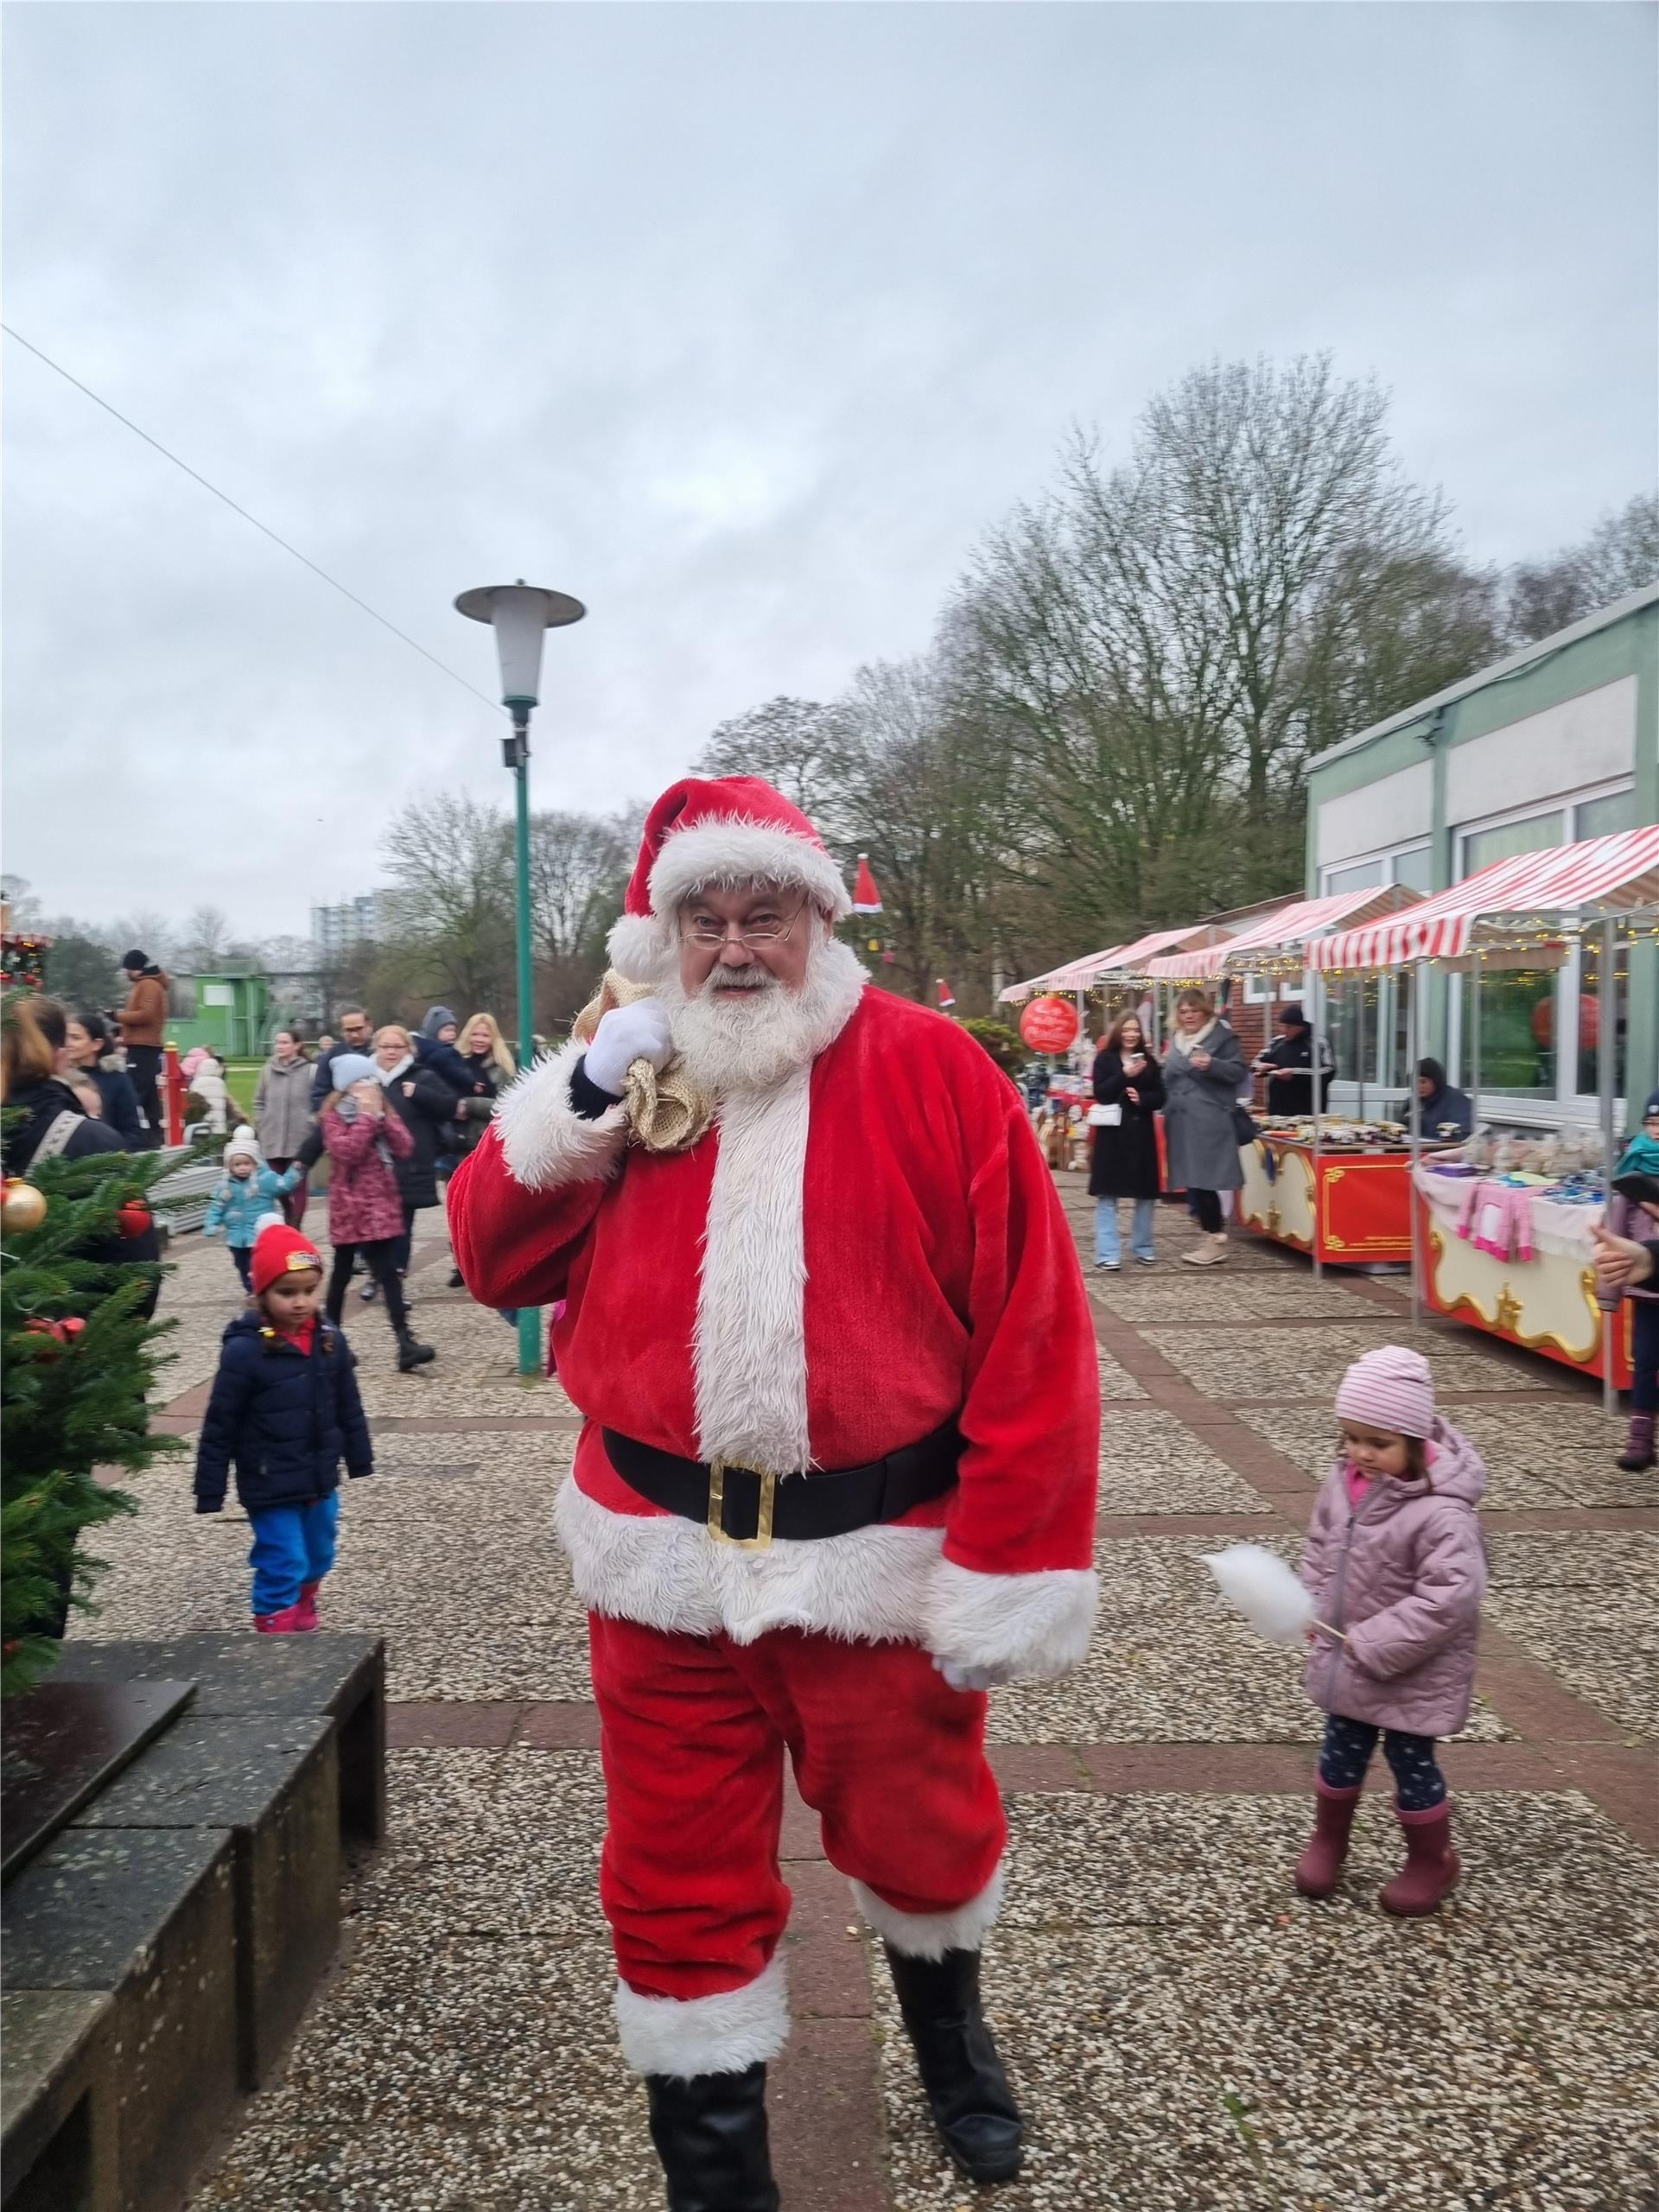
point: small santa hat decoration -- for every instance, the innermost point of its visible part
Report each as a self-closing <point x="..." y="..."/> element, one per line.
<point x="728" y="830"/>
<point x="867" y="900"/>
<point x="947" y="997"/>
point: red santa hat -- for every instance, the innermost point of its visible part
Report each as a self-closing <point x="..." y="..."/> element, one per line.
<point x="728" y="830"/>
<point x="279" y="1250"/>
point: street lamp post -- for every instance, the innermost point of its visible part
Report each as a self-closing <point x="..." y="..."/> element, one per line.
<point x="520" y="614"/>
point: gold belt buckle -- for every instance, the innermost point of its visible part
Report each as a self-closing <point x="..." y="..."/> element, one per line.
<point x="761" y="1540"/>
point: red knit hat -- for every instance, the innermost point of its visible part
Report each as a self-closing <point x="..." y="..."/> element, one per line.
<point x="279" y="1250"/>
<point x="725" y="830"/>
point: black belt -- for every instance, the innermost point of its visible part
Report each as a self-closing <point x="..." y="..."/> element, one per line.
<point x="806" y="1506"/>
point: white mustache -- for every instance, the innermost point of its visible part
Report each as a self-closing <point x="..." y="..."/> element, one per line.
<point x="738" y="979"/>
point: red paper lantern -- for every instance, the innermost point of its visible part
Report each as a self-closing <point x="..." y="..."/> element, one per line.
<point x="1050" y="1024"/>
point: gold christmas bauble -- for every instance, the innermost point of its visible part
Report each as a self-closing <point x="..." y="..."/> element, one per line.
<point x="22" y="1207"/>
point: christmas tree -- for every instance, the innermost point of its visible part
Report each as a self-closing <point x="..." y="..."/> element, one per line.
<point x="80" y="1354"/>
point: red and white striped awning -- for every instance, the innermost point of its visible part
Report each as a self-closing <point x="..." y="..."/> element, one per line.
<point x="1288" y="929"/>
<point x="1564" y="888"/>
<point x="1117" y="962"/>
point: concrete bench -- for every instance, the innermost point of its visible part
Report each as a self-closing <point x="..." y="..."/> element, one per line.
<point x="162" y="1947"/>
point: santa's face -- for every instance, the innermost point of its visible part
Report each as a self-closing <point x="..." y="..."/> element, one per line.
<point x="734" y="943"/>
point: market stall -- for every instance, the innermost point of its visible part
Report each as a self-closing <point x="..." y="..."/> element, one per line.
<point x="1501" y="1237"/>
<point x="1339" y="1190"/>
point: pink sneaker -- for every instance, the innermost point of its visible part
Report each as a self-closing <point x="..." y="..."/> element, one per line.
<point x="291" y="1621"/>
<point x="307" y="1608"/>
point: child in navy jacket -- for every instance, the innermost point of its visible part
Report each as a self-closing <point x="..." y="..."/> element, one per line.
<point x="285" y="1410"/>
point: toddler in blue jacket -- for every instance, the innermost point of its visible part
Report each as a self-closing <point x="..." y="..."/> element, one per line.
<point x="285" y="1410"/>
<point x="242" y="1197"/>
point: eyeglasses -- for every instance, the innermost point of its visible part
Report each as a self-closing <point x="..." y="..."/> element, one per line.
<point x="711" y="934"/>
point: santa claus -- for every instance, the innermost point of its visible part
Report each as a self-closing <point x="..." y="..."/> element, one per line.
<point x="826" y="1323"/>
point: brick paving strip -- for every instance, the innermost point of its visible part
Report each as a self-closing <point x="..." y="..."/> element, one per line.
<point x="827" y="2116"/>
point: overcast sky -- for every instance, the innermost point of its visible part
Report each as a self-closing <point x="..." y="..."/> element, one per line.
<point x="739" y="322"/>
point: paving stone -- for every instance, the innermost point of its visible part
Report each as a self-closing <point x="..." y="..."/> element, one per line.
<point x="1587" y="1604"/>
<point x="1309" y="1436"/>
<point x="1292" y="1362"/>
<point x="1237" y="2047"/>
<point x="1151" y="1462"/>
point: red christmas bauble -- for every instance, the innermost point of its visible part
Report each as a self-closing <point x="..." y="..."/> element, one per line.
<point x="70" y="1327"/>
<point x="1050" y="1024"/>
<point x="134" y="1219"/>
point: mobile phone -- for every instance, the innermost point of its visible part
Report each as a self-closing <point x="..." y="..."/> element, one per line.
<point x="1640" y="1190"/>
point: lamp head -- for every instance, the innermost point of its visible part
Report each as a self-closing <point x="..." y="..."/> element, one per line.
<point x="519" y="613"/>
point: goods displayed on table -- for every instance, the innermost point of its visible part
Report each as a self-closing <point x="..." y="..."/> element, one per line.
<point x="1336" y="1133"/>
<point x="1508" y="1245"/>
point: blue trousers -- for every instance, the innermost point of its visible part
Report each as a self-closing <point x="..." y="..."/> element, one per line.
<point x="1346" y="1753"/>
<point x="1107" y="1246"/>
<point x="292" y="1544"/>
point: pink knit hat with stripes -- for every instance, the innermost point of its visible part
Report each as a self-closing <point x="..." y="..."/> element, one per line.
<point x="1390" y="1388"/>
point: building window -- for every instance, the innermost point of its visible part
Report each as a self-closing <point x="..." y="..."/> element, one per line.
<point x="1535" y="833"/>
<point x="1601" y="817"/>
<point x="1359" y="877"/>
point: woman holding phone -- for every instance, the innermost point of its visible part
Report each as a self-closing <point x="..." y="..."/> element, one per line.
<point x="1129" y="1089"/>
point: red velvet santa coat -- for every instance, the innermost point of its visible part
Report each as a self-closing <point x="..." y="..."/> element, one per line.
<point x="845" y="1263"/>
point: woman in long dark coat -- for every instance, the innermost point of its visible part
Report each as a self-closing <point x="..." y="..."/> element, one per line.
<point x="1124" y="1161"/>
<point x="1204" y="1073"/>
<point x="425" y="1105"/>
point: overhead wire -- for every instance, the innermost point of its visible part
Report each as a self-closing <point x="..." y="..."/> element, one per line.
<point x="264" y="529"/>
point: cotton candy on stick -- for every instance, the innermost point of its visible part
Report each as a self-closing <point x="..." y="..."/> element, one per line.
<point x="1256" y="1583"/>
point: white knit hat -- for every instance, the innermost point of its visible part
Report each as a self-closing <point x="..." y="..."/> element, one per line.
<point x="243" y="1144"/>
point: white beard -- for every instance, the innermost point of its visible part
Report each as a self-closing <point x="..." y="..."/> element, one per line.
<point x="752" y="1038"/>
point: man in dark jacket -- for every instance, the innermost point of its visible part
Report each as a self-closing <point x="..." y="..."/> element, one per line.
<point x="1288" y="1065"/>
<point x="356" y="1035"/>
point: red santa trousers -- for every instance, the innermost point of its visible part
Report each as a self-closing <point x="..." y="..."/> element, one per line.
<point x="694" y="1732"/>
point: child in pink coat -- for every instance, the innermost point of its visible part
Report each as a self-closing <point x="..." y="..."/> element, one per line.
<point x="1396" y="1567"/>
<point x="364" y="1139"/>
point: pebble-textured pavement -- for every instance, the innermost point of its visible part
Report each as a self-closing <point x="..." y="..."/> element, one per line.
<point x="1187" y="2035"/>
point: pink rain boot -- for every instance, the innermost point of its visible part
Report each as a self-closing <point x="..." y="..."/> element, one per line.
<point x="307" y="1608"/>
<point x="1320" y="1868"/>
<point x="289" y="1622"/>
<point x="1637" y="1455"/>
<point x="1431" y="1866"/>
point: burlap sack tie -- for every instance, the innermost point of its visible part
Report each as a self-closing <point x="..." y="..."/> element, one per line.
<point x="666" y="1112"/>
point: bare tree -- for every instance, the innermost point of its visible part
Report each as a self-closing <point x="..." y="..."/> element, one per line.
<point x="451" y="867"/>
<point x="793" y="745"/>
<point x="142" y="929"/>
<point x="579" y="869"/>
<point x="1621" y="554"/>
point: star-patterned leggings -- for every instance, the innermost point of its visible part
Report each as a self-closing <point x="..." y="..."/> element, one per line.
<point x="1347" y="1753"/>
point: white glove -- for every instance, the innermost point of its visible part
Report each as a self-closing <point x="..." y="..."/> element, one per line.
<point x="971" y="1678"/>
<point x="628" y="1033"/>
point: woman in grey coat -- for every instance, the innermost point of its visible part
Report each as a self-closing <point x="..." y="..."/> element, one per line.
<point x="1204" y="1073"/>
<point x="282" y="1113"/>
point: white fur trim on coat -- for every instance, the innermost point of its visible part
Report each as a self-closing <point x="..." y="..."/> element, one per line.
<point x="736" y="849"/>
<point x="723" y="2034"/>
<point x="544" y="1141"/>
<point x="931" y="1935"/>
<point x="868" y="1586"/>
<point x="750" y="1352"/>
<point x="1027" y="1626"/>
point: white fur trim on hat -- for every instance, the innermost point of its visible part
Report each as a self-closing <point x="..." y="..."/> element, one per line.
<point x="723" y="2034"/>
<point x="736" y="849"/>
<point x="1031" y="1626"/>
<point x="931" y="1935"/>
<point x="641" y="947"/>
<point x="544" y="1142"/>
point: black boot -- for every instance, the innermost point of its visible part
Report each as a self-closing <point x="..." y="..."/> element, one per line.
<point x="410" y="1354"/>
<point x="710" y="2134"/>
<point x="973" y="2106"/>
